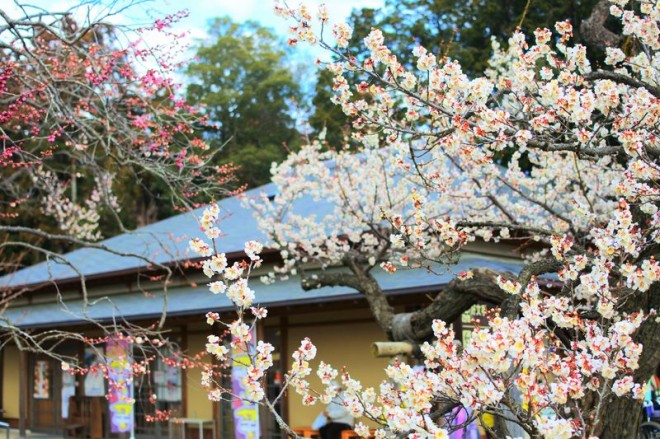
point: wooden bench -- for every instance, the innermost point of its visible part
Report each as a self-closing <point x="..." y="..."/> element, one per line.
<point x="75" y="427"/>
<point x="306" y="432"/>
<point x="314" y="434"/>
<point x="351" y="434"/>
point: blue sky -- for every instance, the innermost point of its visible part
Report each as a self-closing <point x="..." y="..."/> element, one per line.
<point x="201" y="11"/>
<point x="137" y="13"/>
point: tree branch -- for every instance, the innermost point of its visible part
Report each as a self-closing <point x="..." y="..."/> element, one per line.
<point x="593" y="28"/>
<point x="543" y="266"/>
<point x="329" y="280"/>
<point x="623" y="79"/>
<point x="455" y="299"/>
<point x="380" y="307"/>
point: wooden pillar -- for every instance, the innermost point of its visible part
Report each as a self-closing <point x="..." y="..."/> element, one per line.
<point x="184" y="383"/>
<point x="184" y="373"/>
<point x="22" y="392"/>
<point x="284" y="364"/>
<point x="96" y="409"/>
<point x="2" y="377"/>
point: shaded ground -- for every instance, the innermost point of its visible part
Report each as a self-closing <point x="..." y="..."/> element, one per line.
<point x="13" y="434"/>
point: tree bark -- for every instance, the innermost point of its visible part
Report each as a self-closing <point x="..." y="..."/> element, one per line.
<point x="378" y="303"/>
<point x="593" y="29"/>
<point x="622" y="416"/>
<point x="456" y="298"/>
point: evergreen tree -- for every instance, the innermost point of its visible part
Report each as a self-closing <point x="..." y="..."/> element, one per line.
<point x="462" y="31"/>
<point x="249" y="91"/>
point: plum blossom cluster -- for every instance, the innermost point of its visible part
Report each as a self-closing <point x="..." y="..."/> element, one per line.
<point x="550" y="378"/>
<point x="570" y="187"/>
<point x="579" y="187"/>
<point x="81" y="220"/>
<point x="354" y="210"/>
<point x="239" y="345"/>
<point x="78" y="90"/>
<point x="84" y="125"/>
<point x="233" y="283"/>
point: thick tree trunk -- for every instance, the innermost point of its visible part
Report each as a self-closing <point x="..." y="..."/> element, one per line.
<point x="621" y="419"/>
<point x="456" y="298"/>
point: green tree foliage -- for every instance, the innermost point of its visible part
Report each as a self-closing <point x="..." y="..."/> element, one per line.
<point x="249" y="91"/>
<point x="456" y="29"/>
<point x="327" y="115"/>
<point x="463" y="30"/>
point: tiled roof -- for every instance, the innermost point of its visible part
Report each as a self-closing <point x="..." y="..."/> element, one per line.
<point x="163" y="242"/>
<point x="198" y="300"/>
<point x="166" y="242"/>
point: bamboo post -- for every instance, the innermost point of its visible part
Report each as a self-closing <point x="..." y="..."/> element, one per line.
<point x="391" y="348"/>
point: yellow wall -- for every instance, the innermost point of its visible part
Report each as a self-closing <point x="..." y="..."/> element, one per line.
<point x="10" y="382"/>
<point x="346" y="344"/>
<point x="198" y="404"/>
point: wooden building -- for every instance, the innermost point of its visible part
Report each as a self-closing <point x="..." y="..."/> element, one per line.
<point x="36" y="392"/>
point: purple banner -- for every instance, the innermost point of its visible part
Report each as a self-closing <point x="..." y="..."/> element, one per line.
<point x="120" y="385"/>
<point x="246" y="413"/>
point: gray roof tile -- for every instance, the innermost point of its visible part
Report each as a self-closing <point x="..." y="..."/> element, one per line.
<point x="163" y="242"/>
<point x="198" y="300"/>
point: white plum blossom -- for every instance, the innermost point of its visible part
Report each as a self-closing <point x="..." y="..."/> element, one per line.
<point x="417" y="188"/>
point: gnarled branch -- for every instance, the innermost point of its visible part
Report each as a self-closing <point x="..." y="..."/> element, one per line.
<point x="593" y="28"/>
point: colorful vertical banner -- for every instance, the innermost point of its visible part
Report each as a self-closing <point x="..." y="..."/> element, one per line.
<point x="120" y="385"/>
<point x="41" y="380"/>
<point x="246" y="413"/>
